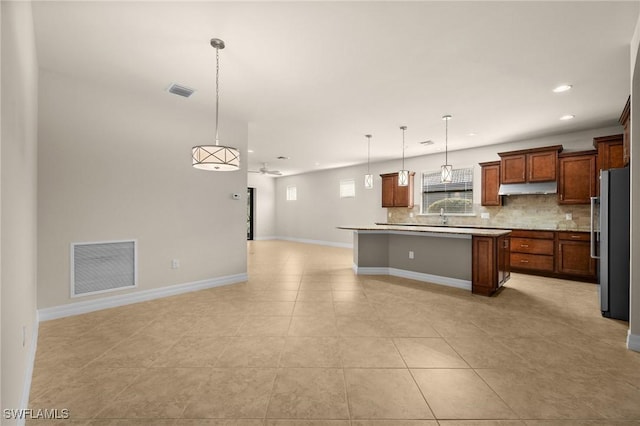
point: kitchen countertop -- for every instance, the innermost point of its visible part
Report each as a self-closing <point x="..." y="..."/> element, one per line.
<point x="484" y="232"/>
<point x="524" y="228"/>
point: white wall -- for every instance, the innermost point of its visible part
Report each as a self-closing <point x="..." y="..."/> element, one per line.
<point x="114" y="166"/>
<point x="19" y="194"/>
<point x="264" y="210"/>
<point x="319" y="210"/>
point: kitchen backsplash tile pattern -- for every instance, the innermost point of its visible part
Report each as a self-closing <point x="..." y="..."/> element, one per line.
<point x="517" y="211"/>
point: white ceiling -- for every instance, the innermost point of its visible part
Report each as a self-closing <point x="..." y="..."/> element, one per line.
<point x="311" y="78"/>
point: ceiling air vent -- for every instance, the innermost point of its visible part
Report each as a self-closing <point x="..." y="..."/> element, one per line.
<point x="179" y="90"/>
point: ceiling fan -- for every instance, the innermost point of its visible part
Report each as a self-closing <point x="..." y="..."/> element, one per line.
<point x="265" y="171"/>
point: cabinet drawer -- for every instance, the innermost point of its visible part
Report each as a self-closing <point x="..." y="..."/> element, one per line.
<point x="532" y="261"/>
<point x="544" y="235"/>
<point x="574" y="236"/>
<point x="533" y="246"/>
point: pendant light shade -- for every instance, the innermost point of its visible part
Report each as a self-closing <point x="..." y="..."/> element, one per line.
<point x="216" y="157"/>
<point x="446" y="169"/>
<point x="403" y="175"/>
<point x="368" y="178"/>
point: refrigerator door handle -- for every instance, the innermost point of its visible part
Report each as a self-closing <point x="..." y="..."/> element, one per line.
<point x="592" y="230"/>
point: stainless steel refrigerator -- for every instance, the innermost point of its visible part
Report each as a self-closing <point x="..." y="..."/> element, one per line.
<point x="610" y="218"/>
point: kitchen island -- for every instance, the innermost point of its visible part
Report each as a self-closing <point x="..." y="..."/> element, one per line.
<point x="474" y="259"/>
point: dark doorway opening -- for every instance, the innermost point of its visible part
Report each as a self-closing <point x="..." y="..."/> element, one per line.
<point x="250" y="196"/>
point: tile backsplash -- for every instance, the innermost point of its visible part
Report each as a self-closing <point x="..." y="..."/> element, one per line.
<point x="517" y="211"/>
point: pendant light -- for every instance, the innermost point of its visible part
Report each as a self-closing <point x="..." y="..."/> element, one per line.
<point x="447" y="169"/>
<point x="216" y="157"/>
<point x="403" y="175"/>
<point x="368" y="178"/>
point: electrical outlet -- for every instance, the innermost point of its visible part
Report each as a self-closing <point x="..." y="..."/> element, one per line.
<point x="568" y="216"/>
<point x="485" y="215"/>
<point x="389" y="215"/>
<point x="175" y="264"/>
<point x="410" y="254"/>
<point x="411" y="214"/>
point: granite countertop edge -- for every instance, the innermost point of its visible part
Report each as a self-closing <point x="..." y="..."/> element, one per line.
<point x="514" y="227"/>
<point x="430" y="229"/>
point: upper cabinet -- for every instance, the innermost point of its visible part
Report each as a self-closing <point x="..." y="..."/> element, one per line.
<point x="490" y="184"/>
<point x="610" y="154"/>
<point x="529" y="165"/>
<point x="625" y="120"/>
<point x="394" y="195"/>
<point x="577" y="177"/>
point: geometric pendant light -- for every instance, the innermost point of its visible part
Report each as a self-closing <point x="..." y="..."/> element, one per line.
<point x="446" y="174"/>
<point x="216" y="157"/>
<point x="368" y="178"/>
<point x="403" y="175"/>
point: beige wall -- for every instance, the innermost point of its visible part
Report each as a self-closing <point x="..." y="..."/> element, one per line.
<point x="633" y="341"/>
<point x="318" y="210"/>
<point x="115" y="166"/>
<point x="19" y="192"/>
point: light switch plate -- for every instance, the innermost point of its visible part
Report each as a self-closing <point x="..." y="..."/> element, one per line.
<point x="568" y="216"/>
<point x="485" y="215"/>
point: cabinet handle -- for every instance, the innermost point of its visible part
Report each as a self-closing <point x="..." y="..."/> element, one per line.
<point x="524" y="261"/>
<point x="524" y="245"/>
<point x="575" y="236"/>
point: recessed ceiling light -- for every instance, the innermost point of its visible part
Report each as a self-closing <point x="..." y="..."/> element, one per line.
<point x="568" y="117"/>
<point x="471" y="134"/>
<point x="250" y="151"/>
<point x="562" y="88"/>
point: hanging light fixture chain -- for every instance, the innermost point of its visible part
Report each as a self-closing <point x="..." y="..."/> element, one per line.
<point x="217" y="90"/>
<point x="403" y="130"/>
<point x="446" y="141"/>
<point x="368" y="153"/>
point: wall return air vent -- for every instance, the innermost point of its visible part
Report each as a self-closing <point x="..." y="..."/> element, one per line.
<point x="103" y="266"/>
<point x="180" y="90"/>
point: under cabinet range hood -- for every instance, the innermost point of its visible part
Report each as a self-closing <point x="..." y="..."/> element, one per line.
<point x="528" y="188"/>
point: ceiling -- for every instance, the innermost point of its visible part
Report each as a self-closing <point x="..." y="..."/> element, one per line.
<point x="312" y="78"/>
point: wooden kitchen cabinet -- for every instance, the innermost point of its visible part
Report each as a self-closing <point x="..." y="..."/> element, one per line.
<point x="394" y="195"/>
<point x="576" y="177"/>
<point x="490" y="184"/>
<point x="532" y="251"/>
<point x="573" y="256"/>
<point x="625" y="120"/>
<point x="490" y="267"/>
<point x="529" y="165"/>
<point x="610" y="151"/>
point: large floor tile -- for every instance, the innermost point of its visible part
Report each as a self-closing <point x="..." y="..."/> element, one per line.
<point x="251" y="351"/>
<point x="311" y="352"/>
<point x="384" y="394"/>
<point x="429" y="353"/>
<point x="309" y="393"/>
<point x="460" y="394"/>
<point x="370" y="352"/>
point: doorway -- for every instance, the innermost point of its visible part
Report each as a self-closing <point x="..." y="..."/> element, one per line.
<point x="250" y="196"/>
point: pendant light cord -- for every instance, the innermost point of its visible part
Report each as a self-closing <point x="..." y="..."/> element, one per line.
<point x="217" y="89"/>
<point x="368" y="153"/>
<point x="403" y="130"/>
<point x="446" y="141"/>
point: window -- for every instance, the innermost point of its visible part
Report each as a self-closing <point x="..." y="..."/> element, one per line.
<point x="449" y="198"/>
<point x="292" y="193"/>
<point x="347" y="188"/>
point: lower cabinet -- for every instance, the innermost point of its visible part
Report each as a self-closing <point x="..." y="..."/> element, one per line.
<point x="559" y="254"/>
<point x="490" y="264"/>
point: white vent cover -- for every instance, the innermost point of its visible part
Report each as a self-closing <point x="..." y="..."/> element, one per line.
<point x="103" y="266"/>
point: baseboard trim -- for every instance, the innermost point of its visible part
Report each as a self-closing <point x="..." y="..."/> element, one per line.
<point x="418" y="276"/>
<point x="28" y="374"/>
<point x="265" y="238"/>
<point x="633" y="341"/>
<point x="317" y="242"/>
<point x="78" y="308"/>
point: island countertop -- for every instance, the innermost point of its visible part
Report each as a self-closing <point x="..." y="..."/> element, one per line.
<point x="481" y="232"/>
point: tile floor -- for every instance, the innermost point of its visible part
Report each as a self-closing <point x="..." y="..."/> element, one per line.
<point x="306" y="342"/>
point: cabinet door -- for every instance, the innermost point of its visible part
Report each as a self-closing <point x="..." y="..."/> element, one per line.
<point x="389" y="183"/>
<point x="504" y="261"/>
<point x="491" y="185"/>
<point x="577" y="183"/>
<point x="484" y="275"/>
<point x="541" y="166"/>
<point x="404" y="194"/>
<point x="513" y="168"/>
<point x="574" y="258"/>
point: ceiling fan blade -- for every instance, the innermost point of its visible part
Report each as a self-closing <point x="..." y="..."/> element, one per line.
<point x="274" y="172"/>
